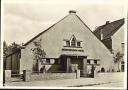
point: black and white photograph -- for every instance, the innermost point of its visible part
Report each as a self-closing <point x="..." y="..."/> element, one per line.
<point x="64" y="44"/>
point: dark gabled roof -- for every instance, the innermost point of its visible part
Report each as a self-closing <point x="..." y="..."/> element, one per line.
<point x="109" y="29"/>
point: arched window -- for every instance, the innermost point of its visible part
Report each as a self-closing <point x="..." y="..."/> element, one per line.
<point x="102" y="69"/>
<point x="73" y="42"/>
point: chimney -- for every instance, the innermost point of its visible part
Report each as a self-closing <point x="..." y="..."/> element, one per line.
<point x="107" y="22"/>
<point x="101" y="34"/>
<point x="72" y="11"/>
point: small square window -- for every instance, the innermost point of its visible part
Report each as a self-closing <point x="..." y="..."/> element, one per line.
<point x="56" y="61"/>
<point x="122" y="62"/>
<point x="52" y="61"/>
<point x="68" y="43"/>
<point x="95" y="61"/>
<point x="48" y="61"/>
<point x="78" y="44"/>
<point x="88" y="61"/>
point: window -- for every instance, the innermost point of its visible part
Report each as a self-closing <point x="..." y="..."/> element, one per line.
<point x="73" y="42"/>
<point x="98" y="61"/>
<point x="95" y="61"/>
<point x="122" y="62"/>
<point x="91" y="61"/>
<point x="56" y="61"/>
<point x="88" y="61"/>
<point x="78" y="44"/>
<point x="102" y="69"/>
<point x="48" y="61"/>
<point x="68" y="43"/>
<point x="52" y="61"/>
<point x="43" y="61"/>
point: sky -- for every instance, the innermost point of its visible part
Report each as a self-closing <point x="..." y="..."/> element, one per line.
<point x="23" y="19"/>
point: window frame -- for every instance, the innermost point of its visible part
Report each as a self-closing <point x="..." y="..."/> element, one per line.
<point x="67" y="43"/>
<point x="47" y="60"/>
<point x="95" y="61"/>
<point x="73" y="42"/>
<point x="57" y="62"/>
<point x="88" y="62"/>
<point x="78" y="45"/>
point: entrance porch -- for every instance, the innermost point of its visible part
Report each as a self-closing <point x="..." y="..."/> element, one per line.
<point x="67" y="61"/>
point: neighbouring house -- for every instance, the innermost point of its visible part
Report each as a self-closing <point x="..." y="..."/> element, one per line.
<point x="11" y="56"/>
<point x="12" y="61"/>
<point x="112" y="35"/>
<point x="67" y="45"/>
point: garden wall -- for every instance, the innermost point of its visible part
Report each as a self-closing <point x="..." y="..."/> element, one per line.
<point x="52" y="76"/>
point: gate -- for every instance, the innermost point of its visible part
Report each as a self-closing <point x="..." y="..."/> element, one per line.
<point x="16" y="76"/>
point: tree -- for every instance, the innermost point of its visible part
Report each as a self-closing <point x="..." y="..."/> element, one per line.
<point x="8" y="49"/>
<point x="5" y="49"/>
<point x="14" y="47"/>
<point x="38" y="54"/>
<point x="117" y="59"/>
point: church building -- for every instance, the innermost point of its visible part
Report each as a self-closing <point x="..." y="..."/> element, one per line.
<point x="66" y="44"/>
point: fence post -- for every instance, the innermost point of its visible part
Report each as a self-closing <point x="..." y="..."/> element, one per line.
<point x="77" y="74"/>
<point x="26" y="75"/>
<point x="92" y="71"/>
<point x="7" y="76"/>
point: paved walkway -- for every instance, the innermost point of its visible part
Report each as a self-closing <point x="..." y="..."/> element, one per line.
<point x="100" y="79"/>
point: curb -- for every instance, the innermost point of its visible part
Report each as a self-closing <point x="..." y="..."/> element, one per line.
<point x="93" y="84"/>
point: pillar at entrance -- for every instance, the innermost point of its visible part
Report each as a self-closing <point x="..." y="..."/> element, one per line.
<point x="26" y="75"/>
<point x="67" y="64"/>
<point x="84" y="72"/>
<point x="77" y="74"/>
<point x="7" y="76"/>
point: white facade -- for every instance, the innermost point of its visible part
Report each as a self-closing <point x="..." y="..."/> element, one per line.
<point x="118" y="45"/>
<point x="117" y="40"/>
<point x="52" y="42"/>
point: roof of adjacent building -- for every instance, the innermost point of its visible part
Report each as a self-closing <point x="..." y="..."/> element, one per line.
<point x="109" y="29"/>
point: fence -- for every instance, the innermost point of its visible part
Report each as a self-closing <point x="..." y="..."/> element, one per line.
<point x="32" y="76"/>
<point x="15" y="73"/>
<point x="12" y="75"/>
<point x="53" y="75"/>
<point x="84" y="74"/>
<point x="38" y="72"/>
